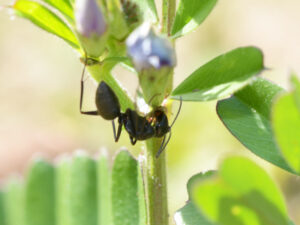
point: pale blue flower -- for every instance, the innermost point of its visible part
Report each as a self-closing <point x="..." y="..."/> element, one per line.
<point x="149" y="50"/>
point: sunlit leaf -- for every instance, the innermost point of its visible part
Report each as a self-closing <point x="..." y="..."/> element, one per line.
<point x="83" y="191"/>
<point x="125" y="199"/>
<point x="63" y="215"/>
<point x="14" y="203"/>
<point x="190" y="214"/>
<point x="40" y="194"/>
<point x="198" y="177"/>
<point x="286" y="126"/>
<point x="242" y="194"/>
<point x="64" y="6"/>
<point x="190" y="14"/>
<point x="2" y="209"/>
<point x="104" y="191"/>
<point x="296" y="90"/>
<point x="221" y="76"/>
<point x="247" y="116"/>
<point x="45" y="19"/>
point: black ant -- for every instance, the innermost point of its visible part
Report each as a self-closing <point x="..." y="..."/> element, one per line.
<point x="138" y="127"/>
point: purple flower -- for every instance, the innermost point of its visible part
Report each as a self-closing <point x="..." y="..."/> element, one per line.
<point x="149" y="50"/>
<point x="89" y="18"/>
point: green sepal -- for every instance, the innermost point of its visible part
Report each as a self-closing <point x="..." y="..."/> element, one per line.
<point x="157" y="81"/>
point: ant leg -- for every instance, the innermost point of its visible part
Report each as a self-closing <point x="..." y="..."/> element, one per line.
<point x="93" y="113"/>
<point x="114" y="130"/>
<point x="163" y="145"/>
<point x="132" y="140"/>
<point x="119" y="130"/>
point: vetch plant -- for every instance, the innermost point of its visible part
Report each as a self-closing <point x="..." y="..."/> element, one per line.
<point x="83" y="190"/>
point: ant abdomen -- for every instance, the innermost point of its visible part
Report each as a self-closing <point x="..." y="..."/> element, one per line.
<point x="107" y="103"/>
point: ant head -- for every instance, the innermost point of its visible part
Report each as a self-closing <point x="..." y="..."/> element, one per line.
<point x="161" y="123"/>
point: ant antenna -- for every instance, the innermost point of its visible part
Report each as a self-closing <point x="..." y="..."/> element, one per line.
<point x="179" y="109"/>
<point x="163" y="145"/>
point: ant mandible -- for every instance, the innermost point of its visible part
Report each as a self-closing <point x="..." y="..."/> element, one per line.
<point x="138" y="127"/>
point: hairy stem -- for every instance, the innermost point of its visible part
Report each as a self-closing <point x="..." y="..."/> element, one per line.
<point x="156" y="183"/>
<point x="168" y="14"/>
<point x="155" y="174"/>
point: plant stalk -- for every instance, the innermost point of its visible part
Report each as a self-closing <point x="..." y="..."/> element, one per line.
<point x="155" y="173"/>
<point x="168" y="15"/>
<point x="156" y="184"/>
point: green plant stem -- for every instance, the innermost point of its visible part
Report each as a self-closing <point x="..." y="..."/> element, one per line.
<point x="156" y="184"/>
<point x="155" y="174"/>
<point x="168" y="12"/>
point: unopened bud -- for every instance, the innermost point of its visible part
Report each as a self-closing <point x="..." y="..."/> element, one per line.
<point x="89" y="18"/>
<point x="149" y="50"/>
<point x="91" y="26"/>
<point x="154" y="58"/>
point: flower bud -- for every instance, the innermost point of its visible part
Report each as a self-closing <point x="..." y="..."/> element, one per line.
<point x="148" y="50"/>
<point x="154" y="58"/>
<point x="91" y="26"/>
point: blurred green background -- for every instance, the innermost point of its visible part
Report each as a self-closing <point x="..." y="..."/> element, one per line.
<point x="39" y="93"/>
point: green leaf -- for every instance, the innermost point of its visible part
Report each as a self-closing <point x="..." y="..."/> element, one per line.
<point x="190" y="14"/>
<point x="14" y="202"/>
<point x="63" y="192"/>
<point x="2" y="209"/>
<point x="64" y="6"/>
<point x="221" y="76"/>
<point x="198" y="177"/>
<point x="247" y="116"/>
<point x="104" y="191"/>
<point x="147" y="10"/>
<point x="242" y="194"/>
<point x="45" y="19"/>
<point x="190" y="215"/>
<point x="40" y="194"/>
<point x="291" y="223"/>
<point x="83" y="192"/>
<point x="286" y="126"/>
<point x="296" y="90"/>
<point x="125" y="199"/>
